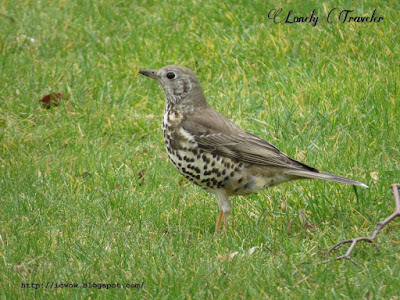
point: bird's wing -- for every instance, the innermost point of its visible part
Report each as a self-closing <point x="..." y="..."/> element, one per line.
<point x="216" y="134"/>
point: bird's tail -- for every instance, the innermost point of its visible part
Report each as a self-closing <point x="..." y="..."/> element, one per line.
<point x="324" y="176"/>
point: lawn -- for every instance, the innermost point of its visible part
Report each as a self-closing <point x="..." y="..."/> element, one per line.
<point x="88" y="196"/>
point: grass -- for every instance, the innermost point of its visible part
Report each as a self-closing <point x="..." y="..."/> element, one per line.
<point x="75" y="207"/>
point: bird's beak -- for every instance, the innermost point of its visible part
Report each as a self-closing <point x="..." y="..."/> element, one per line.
<point x="149" y="73"/>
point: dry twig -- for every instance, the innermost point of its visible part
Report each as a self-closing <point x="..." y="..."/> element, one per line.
<point x="354" y="241"/>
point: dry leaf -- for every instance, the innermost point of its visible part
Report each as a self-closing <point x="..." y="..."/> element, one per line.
<point x="141" y="173"/>
<point x="232" y="255"/>
<point x="374" y="175"/>
<point x="51" y="100"/>
<point x="309" y="226"/>
<point x="20" y="267"/>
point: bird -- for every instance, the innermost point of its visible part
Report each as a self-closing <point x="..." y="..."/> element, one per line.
<point x="216" y="155"/>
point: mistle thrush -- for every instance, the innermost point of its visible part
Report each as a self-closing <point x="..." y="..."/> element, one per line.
<point x="213" y="153"/>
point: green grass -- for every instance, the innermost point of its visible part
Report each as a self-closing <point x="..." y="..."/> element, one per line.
<point x="73" y="208"/>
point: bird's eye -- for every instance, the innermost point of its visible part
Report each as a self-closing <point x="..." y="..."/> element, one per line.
<point x="170" y="75"/>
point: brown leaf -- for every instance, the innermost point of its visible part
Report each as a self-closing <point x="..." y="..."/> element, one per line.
<point x="20" y="267"/>
<point x="51" y="100"/>
<point x="141" y="173"/>
<point x="309" y="226"/>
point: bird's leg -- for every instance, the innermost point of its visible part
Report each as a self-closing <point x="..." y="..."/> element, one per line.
<point x="224" y="206"/>
<point x="226" y="216"/>
<point x="219" y="221"/>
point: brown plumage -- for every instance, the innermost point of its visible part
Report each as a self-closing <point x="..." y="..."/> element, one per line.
<point x="210" y="151"/>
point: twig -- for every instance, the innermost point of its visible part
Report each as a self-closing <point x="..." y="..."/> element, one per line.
<point x="354" y="241"/>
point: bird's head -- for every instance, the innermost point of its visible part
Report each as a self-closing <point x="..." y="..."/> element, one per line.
<point x="180" y="85"/>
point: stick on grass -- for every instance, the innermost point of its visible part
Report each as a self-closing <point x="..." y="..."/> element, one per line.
<point x="354" y="241"/>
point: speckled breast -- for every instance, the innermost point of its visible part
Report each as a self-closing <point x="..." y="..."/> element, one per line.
<point x="205" y="169"/>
